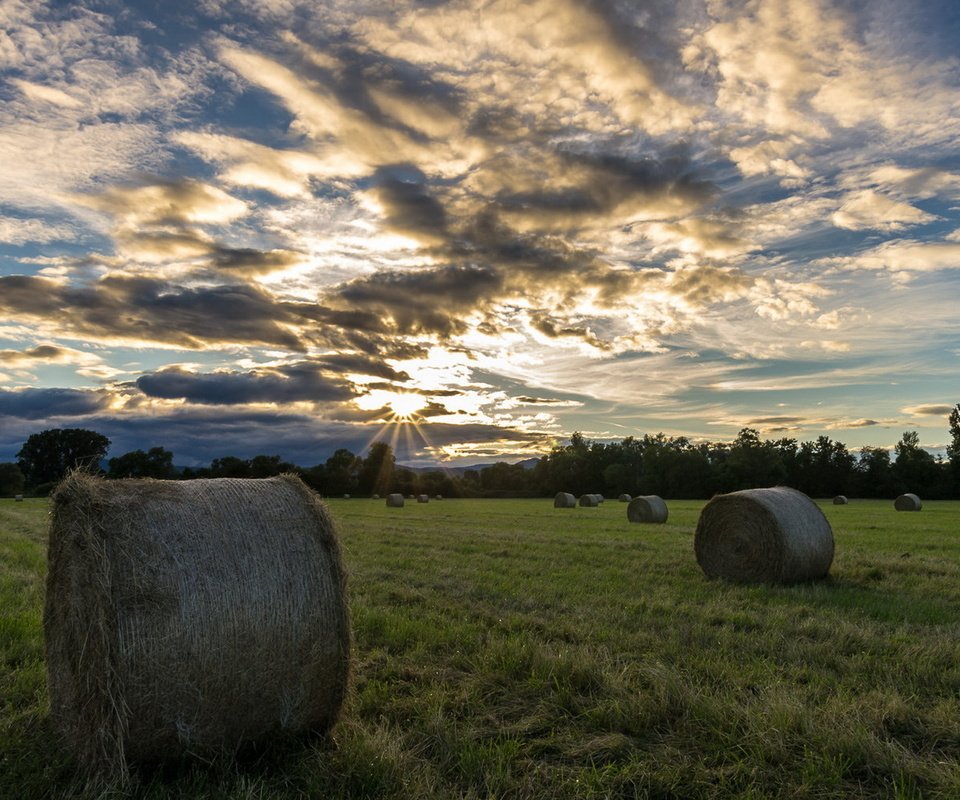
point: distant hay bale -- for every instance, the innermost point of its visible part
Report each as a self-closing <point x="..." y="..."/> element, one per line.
<point x="190" y="617"/>
<point x="423" y="498"/>
<point x="589" y="500"/>
<point x="395" y="501"/>
<point x="346" y="497"/>
<point x="840" y="500"/>
<point x="776" y="535"/>
<point x="439" y="497"/>
<point x="18" y="498"/>
<point x="647" y="508"/>
<point x="624" y="498"/>
<point x="907" y="502"/>
<point x="375" y="497"/>
<point x="564" y="500"/>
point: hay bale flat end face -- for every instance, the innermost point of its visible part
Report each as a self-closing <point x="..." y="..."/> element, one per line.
<point x="564" y="500"/>
<point x="395" y="500"/>
<point x="907" y="502"/>
<point x="191" y="616"/>
<point x="840" y="500"/>
<point x="647" y="508"/>
<point x="776" y="535"/>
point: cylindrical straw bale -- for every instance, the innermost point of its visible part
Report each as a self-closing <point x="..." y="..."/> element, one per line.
<point x="18" y="498"/>
<point x="564" y="500"/>
<point x="439" y="497"/>
<point x="346" y="497"/>
<point x="647" y="508"/>
<point x="624" y="498"/>
<point x="840" y="500"/>
<point x="589" y="500"/>
<point x="423" y="498"/>
<point x="375" y="497"/>
<point x="191" y="616"/>
<point x="776" y="535"/>
<point x="907" y="502"/>
<point x="395" y="500"/>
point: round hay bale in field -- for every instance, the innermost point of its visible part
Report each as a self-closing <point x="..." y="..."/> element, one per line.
<point x="840" y="500"/>
<point x="346" y="497"/>
<point x="589" y="500"/>
<point x="190" y="617"/>
<point x="647" y="508"/>
<point x="624" y="498"/>
<point x="438" y="497"/>
<point x="907" y="502"/>
<point x="18" y="498"/>
<point x="395" y="500"/>
<point x="564" y="500"/>
<point x="375" y="497"/>
<point x="423" y="498"/>
<point x="776" y="535"/>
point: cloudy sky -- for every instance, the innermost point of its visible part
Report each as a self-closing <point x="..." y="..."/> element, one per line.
<point x="473" y="227"/>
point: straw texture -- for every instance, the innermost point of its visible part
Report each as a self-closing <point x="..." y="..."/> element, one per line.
<point x="423" y="498"/>
<point x="190" y="617"/>
<point x="776" y="535"/>
<point x="18" y="498"/>
<point x="840" y="500"/>
<point x="907" y="502"/>
<point x="589" y="500"/>
<point x="394" y="501"/>
<point x="647" y="508"/>
<point x="564" y="500"/>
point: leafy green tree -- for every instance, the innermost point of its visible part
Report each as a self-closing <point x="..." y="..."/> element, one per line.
<point x="11" y="479"/>
<point x="156" y="462"/>
<point x="874" y="474"/>
<point x="752" y="463"/>
<point x="48" y="456"/>
<point x="229" y="467"/>
<point x="953" y="452"/>
<point x="342" y="469"/>
<point x="262" y="466"/>
<point x="915" y="468"/>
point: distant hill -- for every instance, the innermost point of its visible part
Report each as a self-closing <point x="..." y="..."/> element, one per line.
<point x="527" y="463"/>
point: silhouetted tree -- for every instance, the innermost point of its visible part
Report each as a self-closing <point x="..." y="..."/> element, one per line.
<point x="154" y="463"/>
<point x="915" y="469"/>
<point x="49" y="455"/>
<point x="11" y="479"/>
<point x="341" y="469"/>
<point x="376" y="470"/>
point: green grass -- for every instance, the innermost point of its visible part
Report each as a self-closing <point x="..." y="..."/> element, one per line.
<point x="507" y="649"/>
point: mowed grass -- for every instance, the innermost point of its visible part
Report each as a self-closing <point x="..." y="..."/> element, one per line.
<point x="507" y="649"/>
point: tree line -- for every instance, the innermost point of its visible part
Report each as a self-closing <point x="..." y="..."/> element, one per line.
<point x="668" y="466"/>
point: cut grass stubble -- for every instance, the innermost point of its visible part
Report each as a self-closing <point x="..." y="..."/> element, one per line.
<point x="508" y="649"/>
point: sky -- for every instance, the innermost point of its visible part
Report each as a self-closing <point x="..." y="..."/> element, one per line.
<point x="470" y="228"/>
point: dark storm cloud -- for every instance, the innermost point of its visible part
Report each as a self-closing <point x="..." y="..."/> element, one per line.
<point x="409" y="206"/>
<point x="149" y="310"/>
<point x="44" y="403"/>
<point x="297" y="383"/>
<point x="251" y="261"/>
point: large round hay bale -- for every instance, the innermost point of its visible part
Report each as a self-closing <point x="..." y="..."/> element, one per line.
<point x="647" y="508"/>
<point x="374" y="497"/>
<point x="395" y="500"/>
<point x="191" y="616"/>
<point x="423" y="498"/>
<point x="589" y="500"/>
<point x="438" y="497"/>
<point x="624" y="498"/>
<point x="564" y="500"/>
<point x="840" y="500"/>
<point x="907" y="502"/>
<point x="776" y="535"/>
<point x="18" y="498"/>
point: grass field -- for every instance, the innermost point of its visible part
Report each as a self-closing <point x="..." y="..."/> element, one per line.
<point x="507" y="649"/>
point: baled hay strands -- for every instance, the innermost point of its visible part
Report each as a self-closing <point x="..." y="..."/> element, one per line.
<point x="423" y="498"/>
<point x="18" y="498"/>
<point x="191" y="616"/>
<point x="624" y="498"/>
<point x="776" y="535"/>
<point x="840" y="500"/>
<point x="589" y="500"/>
<point x="564" y="500"/>
<point x="394" y="501"/>
<point x="907" y="502"/>
<point x="647" y="508"/>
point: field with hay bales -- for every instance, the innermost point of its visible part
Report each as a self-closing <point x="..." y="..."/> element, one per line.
<point x="510" y="649"/>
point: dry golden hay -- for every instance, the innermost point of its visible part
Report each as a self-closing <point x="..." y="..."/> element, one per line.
<point x="907" y="502"/>
<point x="423" y="498"/>
<point x="776" y="535"/>
<point x="564" y="500"/>
<point x="624" y="498"/>
<point x="190" y="617"/>
<point x="589" y="500"/>
<point x="840" y="500"/>
<point x="647" y="508"/>
<point x="395" y="500"/>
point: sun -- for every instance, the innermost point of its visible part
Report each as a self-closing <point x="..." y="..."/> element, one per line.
<point x="405" y="406"/>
